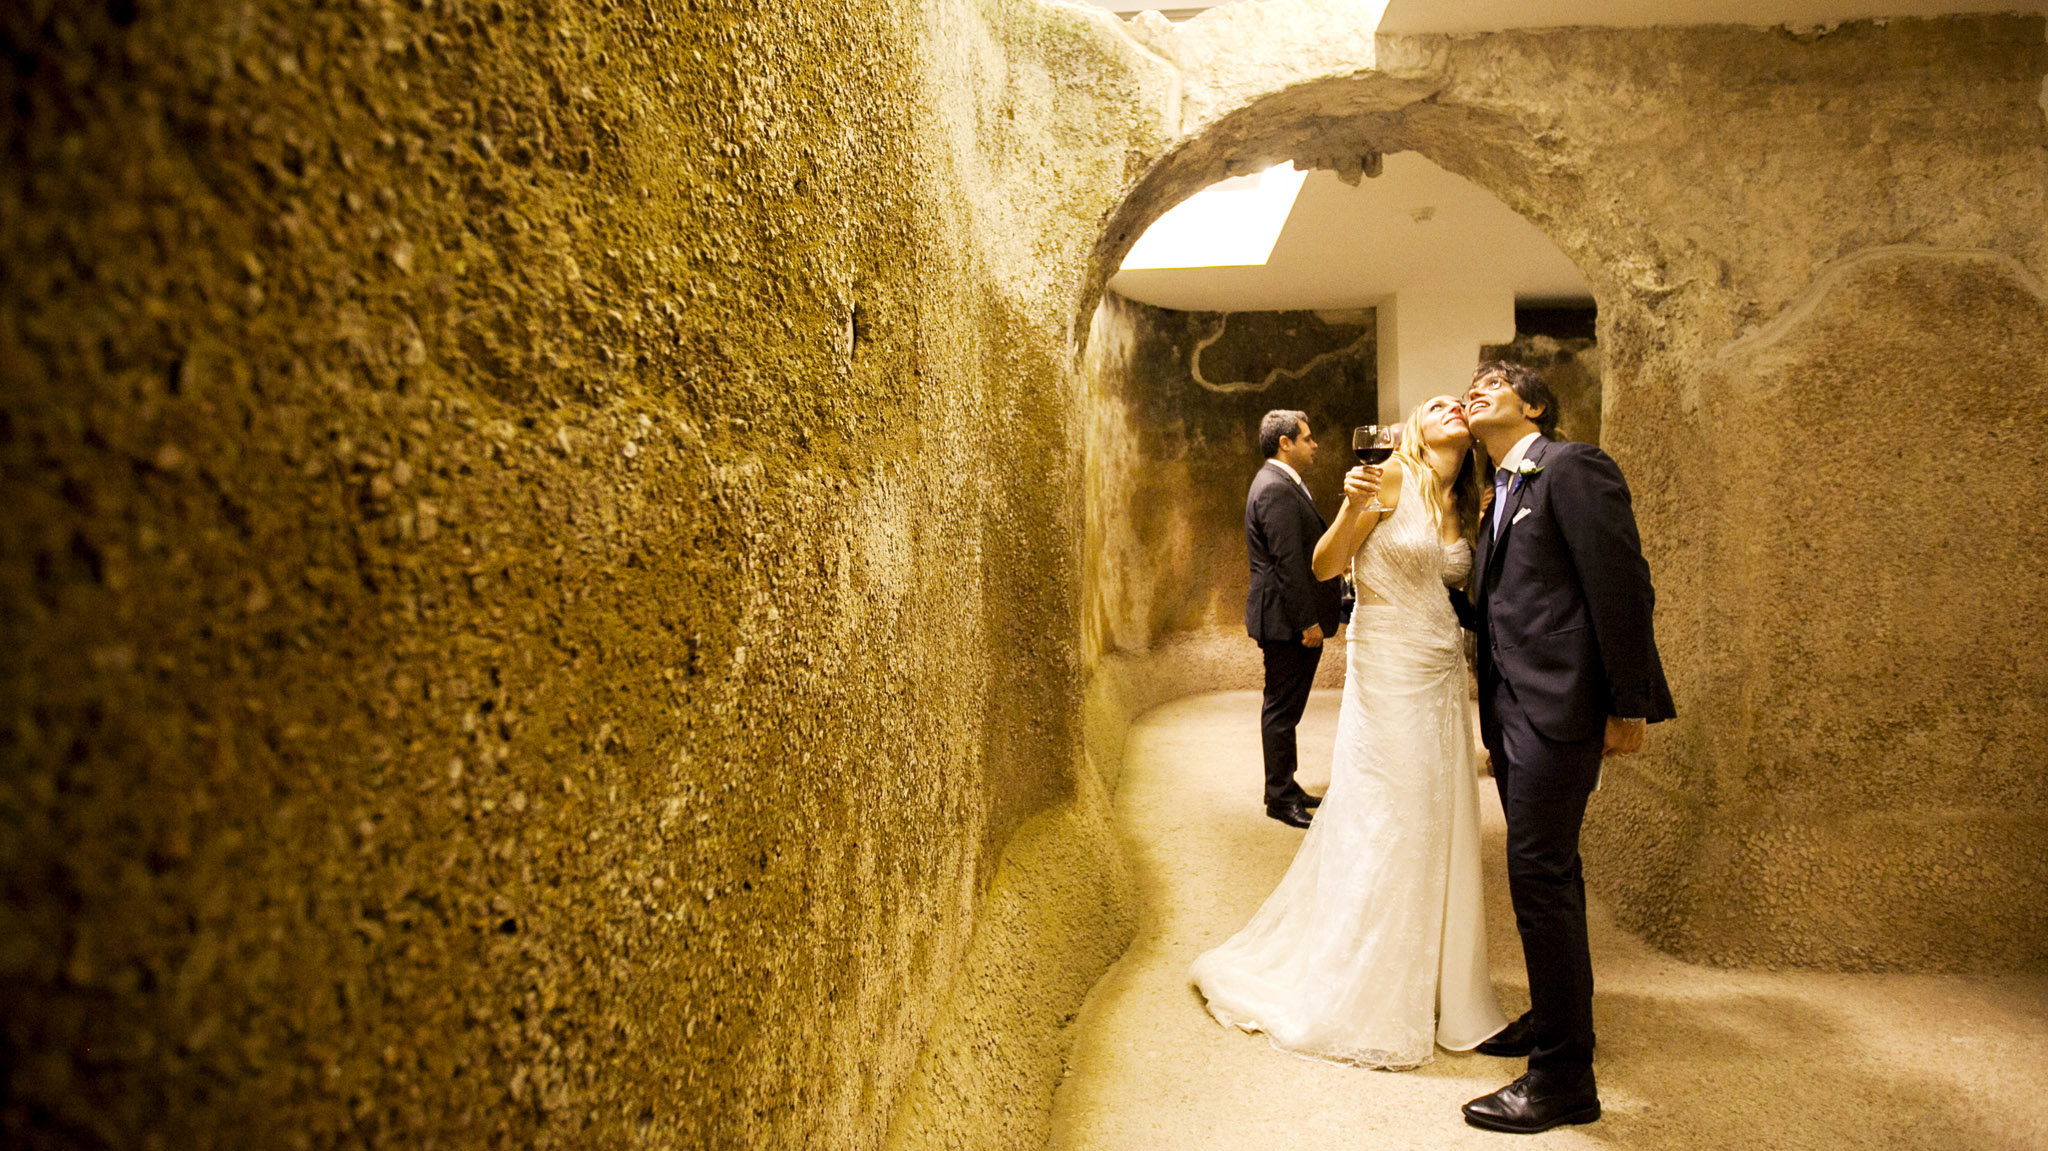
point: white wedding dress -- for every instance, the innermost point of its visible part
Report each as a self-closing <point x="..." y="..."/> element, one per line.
<point x="1372" y="950"/>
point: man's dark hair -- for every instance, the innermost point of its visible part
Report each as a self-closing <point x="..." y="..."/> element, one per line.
<point x="1529" y="386"/>
<point x="1279" y="423"/>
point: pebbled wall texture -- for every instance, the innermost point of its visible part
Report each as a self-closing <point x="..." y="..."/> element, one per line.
<point x="540" y="566"/>
<point x="544" y="576"/>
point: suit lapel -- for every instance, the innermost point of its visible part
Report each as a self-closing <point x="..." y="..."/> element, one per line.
<point x="1517" y="492"/>
<point x="1482" y="556"/>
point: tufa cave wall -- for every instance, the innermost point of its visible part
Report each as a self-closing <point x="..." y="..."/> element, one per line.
<point x="1863" y="758"/>
<point x="541" y="564"/>
<point x="1040" y="113"/>
<point x="551" y="566"/>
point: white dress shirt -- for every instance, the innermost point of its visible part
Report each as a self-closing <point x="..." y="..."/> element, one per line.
<point x="1293" y="475"/>
<point x="1515" y="453"/>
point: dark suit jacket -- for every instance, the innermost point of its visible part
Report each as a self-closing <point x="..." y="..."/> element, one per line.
<point x="1281" y="527"/>
<point x="1562" y="599"/>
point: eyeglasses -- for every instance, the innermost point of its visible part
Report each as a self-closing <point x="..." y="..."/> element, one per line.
<point x="1488" y="384"/>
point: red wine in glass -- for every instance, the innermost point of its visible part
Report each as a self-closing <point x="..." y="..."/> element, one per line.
<point x="1375" y="442"/>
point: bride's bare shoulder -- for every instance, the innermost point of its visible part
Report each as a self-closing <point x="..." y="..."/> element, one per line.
<point x="1391" y="475"/>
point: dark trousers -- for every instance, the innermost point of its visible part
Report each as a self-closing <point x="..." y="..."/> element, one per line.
<point x="1544" y="786"/>
<point x="1290" y="673"/>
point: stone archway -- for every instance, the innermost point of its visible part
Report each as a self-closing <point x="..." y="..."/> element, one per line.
<point x="1341" y="121"/>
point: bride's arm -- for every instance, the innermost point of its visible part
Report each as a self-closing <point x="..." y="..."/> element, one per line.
<point x="1366" y="502"/>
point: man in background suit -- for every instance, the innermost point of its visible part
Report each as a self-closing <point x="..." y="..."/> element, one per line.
<point x="1287" y="609"/>
<point x="1568" y="674"/>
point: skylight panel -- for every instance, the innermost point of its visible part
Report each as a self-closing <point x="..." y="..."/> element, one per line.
<point x="1234" y="223"/>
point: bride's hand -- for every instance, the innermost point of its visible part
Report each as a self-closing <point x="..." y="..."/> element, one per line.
<point x="1362" y="484"/>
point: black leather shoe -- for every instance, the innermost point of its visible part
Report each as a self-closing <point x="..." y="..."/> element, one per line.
<point x="1514" y="1041"/>
<point x="1309" y="801"/>
<point x="1289" y="812"/>
<point x="1536" y="1102"/>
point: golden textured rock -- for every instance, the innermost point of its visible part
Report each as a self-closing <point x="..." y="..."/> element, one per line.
<point x="546" y="557"/>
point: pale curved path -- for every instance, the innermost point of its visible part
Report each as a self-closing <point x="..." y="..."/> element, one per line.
<point x="1690" y="1057"/>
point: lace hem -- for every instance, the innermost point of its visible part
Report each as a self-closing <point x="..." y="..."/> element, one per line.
<point x="1370" y="1060"/>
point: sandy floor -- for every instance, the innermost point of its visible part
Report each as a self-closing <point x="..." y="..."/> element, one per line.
<point x="1690" y="1057"/>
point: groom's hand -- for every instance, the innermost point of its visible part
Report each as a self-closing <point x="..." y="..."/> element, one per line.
<point x="1313" y="637"/>
<point x="1625" y="736"/>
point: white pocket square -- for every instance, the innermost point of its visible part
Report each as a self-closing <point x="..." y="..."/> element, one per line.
<point x="1519" y="515"/>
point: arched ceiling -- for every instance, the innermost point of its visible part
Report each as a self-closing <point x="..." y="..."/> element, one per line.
<point x="1345" y="247"/>
<point x="1414" y="226"/>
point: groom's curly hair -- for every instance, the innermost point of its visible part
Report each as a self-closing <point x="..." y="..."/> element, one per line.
<point x="1528" y="385"/>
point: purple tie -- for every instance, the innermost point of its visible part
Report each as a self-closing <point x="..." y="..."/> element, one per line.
<point x="1500" y="497"/>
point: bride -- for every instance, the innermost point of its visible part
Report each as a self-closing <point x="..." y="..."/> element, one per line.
<point x="1372" y="950"/>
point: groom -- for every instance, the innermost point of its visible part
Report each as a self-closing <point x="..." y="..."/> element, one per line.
<point x="1568" y="674"/>
<point x="1286" y="609"/>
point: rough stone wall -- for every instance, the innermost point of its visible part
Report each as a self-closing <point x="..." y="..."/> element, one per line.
<point x="539" y="566"/>
<point x="541" y="574"/>
<point x="1714" y="183"/>
<point x="1866" y="667"/>
<point x="1039" y="110"/>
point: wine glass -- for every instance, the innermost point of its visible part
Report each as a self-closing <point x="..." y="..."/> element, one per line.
<point x="1375" y="442"/>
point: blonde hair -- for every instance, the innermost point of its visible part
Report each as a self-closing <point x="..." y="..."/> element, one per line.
<point x="1414" y="456"/>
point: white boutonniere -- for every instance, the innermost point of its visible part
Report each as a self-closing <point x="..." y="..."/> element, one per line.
<point x="1522" y="472"/>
